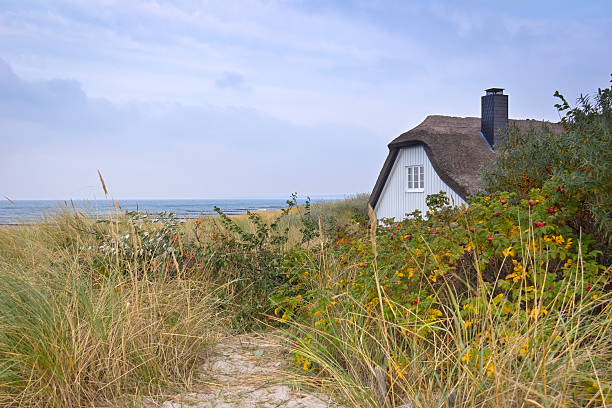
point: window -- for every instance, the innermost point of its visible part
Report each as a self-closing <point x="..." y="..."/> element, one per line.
<point x="415" y="178"/>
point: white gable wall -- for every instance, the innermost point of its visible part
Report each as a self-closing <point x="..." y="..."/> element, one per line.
<point x="395" y="202"/>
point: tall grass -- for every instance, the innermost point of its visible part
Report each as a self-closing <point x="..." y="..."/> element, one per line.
<point x="73" y="333"/>
<point x="333" y="215"/>
<point x="98" y="312"/>
<point x="476" y="357"/>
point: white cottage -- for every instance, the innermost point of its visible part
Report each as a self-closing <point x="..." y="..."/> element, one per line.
<point x="443" y="153"/>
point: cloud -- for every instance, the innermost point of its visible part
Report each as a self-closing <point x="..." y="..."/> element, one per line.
<point x="167" y="149"/>
<point x="60" y="104"/>
<point x="157" y="90"/>
<point x="232" y="80"/>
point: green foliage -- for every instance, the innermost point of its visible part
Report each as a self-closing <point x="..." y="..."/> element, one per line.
<point x="578" y="161"/>
<point x="308" y="228"/>
<point x="250" y="262"/>
<point x="501" y="239"/>
<point x="465" y="285"/>
<point x="250" y="258"/>
<point x="437" y="201"/>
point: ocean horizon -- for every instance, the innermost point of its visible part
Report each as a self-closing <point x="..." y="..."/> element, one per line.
<point x="14" y="212"/>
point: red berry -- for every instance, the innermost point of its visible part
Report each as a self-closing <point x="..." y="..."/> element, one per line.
<point x="473" y="230"/>
<point x="587" y="288"/>
<point x="415" y="301"/>
<point x="497" y="213"/>
<point x="409" y="236"/>
<point x="489" y="239"/>
<point x="504" y="201"/>
<point x="532" y="203"/>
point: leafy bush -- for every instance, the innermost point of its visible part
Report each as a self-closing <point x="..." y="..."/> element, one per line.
<point x="138" y="243"/>
<point x="248" y="257"/>
<point x="577" y="161"/>
<point x="461" y="304"/>
<point x="249" y="263"/>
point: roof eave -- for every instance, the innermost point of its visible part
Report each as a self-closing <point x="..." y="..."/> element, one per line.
<point x="394" y="148"/>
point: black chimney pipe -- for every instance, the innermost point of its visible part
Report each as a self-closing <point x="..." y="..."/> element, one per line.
<point x="494" y="115"/>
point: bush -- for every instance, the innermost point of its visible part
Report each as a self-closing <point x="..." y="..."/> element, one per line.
<point x="247" y="255"/>
<point x="247" y="262"/>
<point x="471" y="305"/>
<point x="578" y="162"/>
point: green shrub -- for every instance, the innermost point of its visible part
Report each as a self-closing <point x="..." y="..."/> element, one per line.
<point x="248" y="257"/>
<point x="577" y="162"/>
<point x="462" y="303"/>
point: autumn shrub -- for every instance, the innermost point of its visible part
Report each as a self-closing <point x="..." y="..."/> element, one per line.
<point x="246" y="254"/>
<point x="497" y="304"/>
<point x="577" y="161"/>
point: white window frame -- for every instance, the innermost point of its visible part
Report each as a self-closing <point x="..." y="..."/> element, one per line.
<point x="415" y="185"/>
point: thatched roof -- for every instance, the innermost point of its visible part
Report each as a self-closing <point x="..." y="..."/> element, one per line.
<point x="455" y="148"/>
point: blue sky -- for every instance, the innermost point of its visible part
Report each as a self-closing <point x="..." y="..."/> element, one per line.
<point x="200" y="99"/>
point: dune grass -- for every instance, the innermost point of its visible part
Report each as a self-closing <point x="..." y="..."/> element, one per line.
<point x="114" y="311"/>
<point x="369" y="324"/>
<point x="94" y="312"/>
<point x="78" y="328"/>
<point x="364" y="358"/>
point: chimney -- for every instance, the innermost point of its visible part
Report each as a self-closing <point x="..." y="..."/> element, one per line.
<point x="494" y="115"/>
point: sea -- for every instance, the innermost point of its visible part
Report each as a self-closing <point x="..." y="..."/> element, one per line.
<point x="14" y="212"/>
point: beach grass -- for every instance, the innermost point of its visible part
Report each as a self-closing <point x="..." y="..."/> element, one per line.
<point x="108" y="311"/>
<point x="123" y="310"/>
<point x="363" y="356"/>
<point x="79" y="328"/>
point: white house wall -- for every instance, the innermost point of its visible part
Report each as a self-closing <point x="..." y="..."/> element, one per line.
<point x="395" y="202"/>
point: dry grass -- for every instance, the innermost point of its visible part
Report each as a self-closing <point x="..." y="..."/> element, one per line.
<point x="465" y="358"/>
<point x="81" y="326"/>
<point x="332" y="215"/>
<point x="71" y="335"/>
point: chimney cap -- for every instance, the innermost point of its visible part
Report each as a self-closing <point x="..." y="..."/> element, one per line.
<point x="494" y="91"/>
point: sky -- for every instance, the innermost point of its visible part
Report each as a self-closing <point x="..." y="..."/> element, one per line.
<point x="215" y="99"/>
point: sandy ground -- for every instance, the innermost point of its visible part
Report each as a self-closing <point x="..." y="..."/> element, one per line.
<point x="246" y="371"/>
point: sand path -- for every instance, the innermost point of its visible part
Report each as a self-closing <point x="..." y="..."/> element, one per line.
<point x="245" y="371"/>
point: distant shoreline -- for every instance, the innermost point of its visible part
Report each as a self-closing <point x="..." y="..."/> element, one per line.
<point x="24" y="212"/>
<point x="181" y="219"/>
